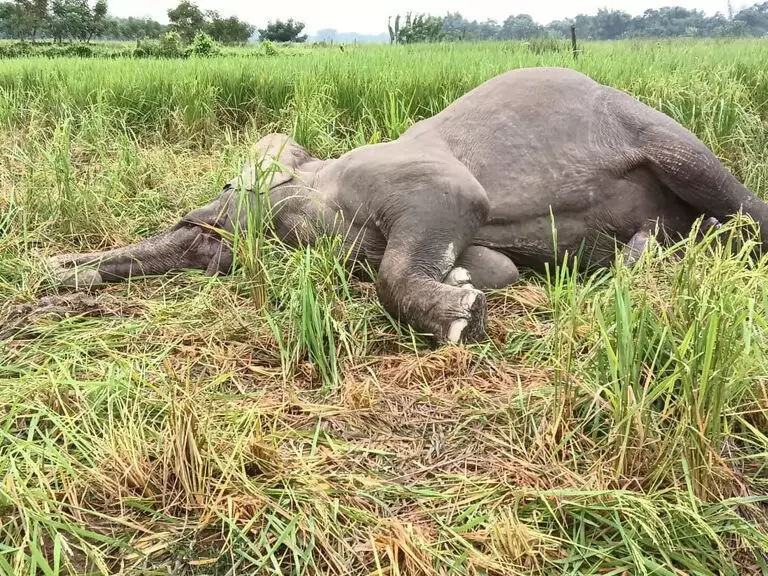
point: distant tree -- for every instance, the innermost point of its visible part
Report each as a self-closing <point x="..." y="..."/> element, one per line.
<point x="420" y="28"/>
<point x="606" y="24"/>
<point x="455" y="27"/>
<point x="230" y="30"/>
<point x="424" y="28"/>
<point x="10" y="15"/>
<point x="186" y="19"/>
<point x="98" y="21"/>
<point x="70" y="20"/>
<point x="133" y="28"/>
<point x="488" y="30"/>
<point x="28" y="18"/>
<point x="394" y="32"/>
<point x="327" y="34"/>
<point x="754" y="18"/>
<point x="520" y="27"/>
<point x="143" y="28"/>
<point x="611" y="24"/>
<point x="560" y="28"/>
<point x="280" y="31"/>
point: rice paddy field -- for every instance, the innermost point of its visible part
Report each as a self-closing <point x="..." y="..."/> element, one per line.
<point x="277" y="421"/>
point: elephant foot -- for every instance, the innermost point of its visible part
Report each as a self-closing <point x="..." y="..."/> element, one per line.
<point x="470" y="327"/>
<point x="710" y="223"/>
<point x="635" y="248"/>
<point x="458" y="277"/>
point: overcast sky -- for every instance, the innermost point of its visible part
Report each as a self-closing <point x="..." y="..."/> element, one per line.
<point x="372" y="19"/>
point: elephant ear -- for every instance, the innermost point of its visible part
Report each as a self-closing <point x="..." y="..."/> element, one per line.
<point x="266" y="170"/>
<point x="278" y="157"/>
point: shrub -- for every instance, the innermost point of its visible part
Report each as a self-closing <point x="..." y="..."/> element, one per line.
<point x="15" y="50"/>
<point x="80" y="50"/>
<point x="171" y="45"/>
<point x="269" y="48"/>
<point x="204" y="46"/>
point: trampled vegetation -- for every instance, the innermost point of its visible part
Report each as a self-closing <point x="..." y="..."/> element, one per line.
<point x="276" y="421"/>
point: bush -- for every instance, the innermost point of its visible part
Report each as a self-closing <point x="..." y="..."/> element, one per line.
<point x="171" y="45"/>
<point x="269" y="48"/>
<point x="15" y="50"/>
<point x="548" y="45"/>
<point x="80" y="50"/>
<point x="203" y="46"/>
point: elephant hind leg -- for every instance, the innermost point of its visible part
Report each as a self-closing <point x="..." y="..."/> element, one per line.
<point x="696" y="175"/>
<point x="637" y="245"/>
<point x="483" y="268"/>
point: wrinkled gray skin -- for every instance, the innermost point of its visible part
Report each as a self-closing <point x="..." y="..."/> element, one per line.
<point x="453" y="206"/>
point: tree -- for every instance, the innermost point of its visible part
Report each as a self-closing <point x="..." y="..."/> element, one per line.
<point x="70" y="19"/>
<point x="230" y="30"/>
<point x="98" y="21"/>
<point x="611" y="24"/>
<point x="10" y="16"/>
<point x="754" y="18"/>
<point x="421" y="28"/>
<point x="394" y="33"/>
<point x="283" y="31"/>
<point x="76" y="20"/>
<point x="28" y="18"/>
<point x="132" y="28"/>
<point x="186" y="19"/>
<point x="520" y="27"/>
<point x="455" y="27"/>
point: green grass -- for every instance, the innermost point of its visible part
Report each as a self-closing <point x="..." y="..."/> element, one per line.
<point x="277" y="421"/>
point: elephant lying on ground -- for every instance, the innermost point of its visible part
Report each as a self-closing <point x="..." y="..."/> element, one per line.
<point x="462" y="198"/>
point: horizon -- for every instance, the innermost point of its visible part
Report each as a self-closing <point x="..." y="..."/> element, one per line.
<point x="339" y="16"/>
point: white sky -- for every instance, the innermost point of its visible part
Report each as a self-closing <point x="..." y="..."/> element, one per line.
<point x="372" y="19"/>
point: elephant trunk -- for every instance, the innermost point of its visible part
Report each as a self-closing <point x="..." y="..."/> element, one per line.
<point x="183" y="247"/>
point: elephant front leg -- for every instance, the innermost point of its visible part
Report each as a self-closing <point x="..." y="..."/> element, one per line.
<point x="422" y="249"/>
<point x="448" y="313"/>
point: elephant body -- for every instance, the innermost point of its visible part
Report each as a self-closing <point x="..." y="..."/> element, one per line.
<point x="461" y="199"/>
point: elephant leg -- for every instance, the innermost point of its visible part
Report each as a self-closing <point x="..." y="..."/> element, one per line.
<point x="694" y="174"/>
<point x="483" y="268"/>
<point x="427" y="231"/>
<point x="191" y="244"/>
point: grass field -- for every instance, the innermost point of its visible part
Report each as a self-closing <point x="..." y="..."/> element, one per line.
<point x="615" y="423"/>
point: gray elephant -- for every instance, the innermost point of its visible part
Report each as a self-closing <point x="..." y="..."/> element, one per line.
<point x="451" y="208"/>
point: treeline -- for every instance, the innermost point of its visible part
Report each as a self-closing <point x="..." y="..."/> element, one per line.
<point x="667" y="22"/>
<point x="79" y="20"/>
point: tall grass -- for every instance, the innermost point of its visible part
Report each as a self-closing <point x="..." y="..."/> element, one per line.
<point x="277" y="421"/>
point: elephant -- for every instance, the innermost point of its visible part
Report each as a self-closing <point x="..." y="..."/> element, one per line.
<point x="461" y="200"/>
